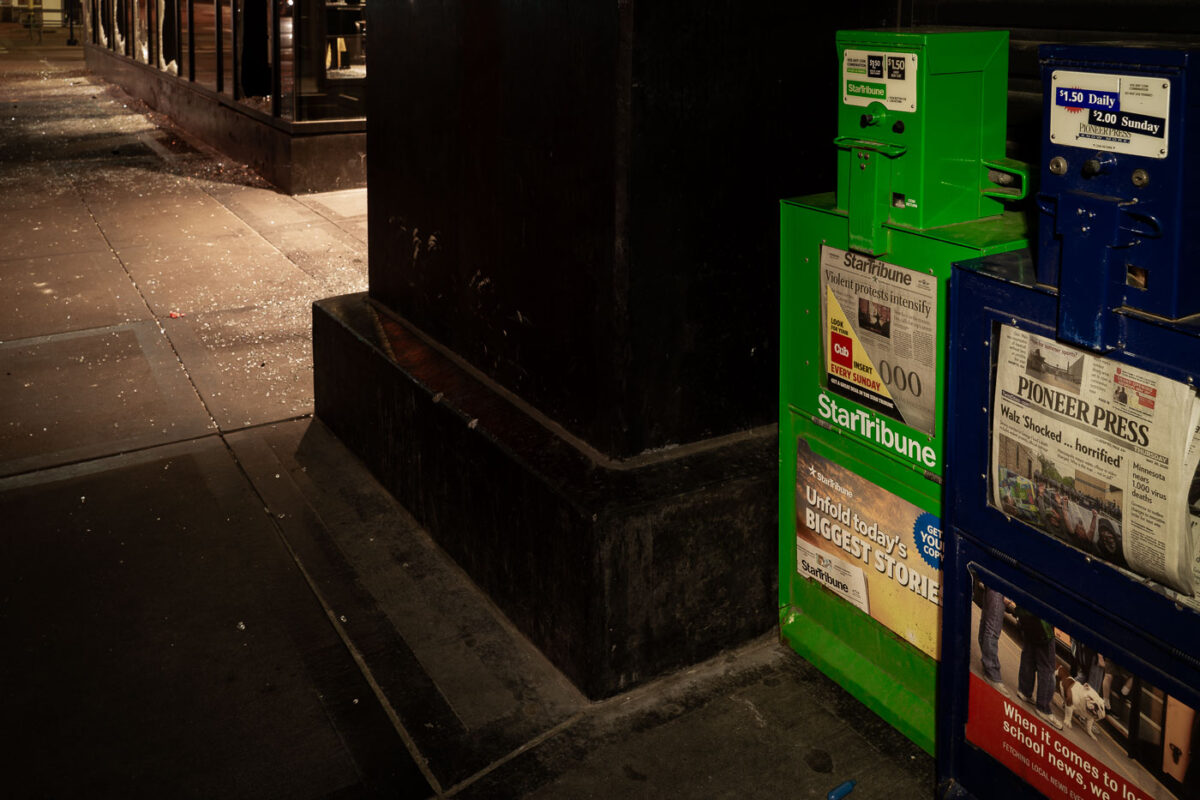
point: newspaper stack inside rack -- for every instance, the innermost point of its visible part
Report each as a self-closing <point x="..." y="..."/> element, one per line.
<point x="1100" y="455"/>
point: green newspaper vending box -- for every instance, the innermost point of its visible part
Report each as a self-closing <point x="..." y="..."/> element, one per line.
<point x="922" y="183"/>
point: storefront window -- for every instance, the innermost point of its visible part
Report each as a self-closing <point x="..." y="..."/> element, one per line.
<point x="204" y="38"/>
<point x="333" y="61"/>
<point x="302" y="60"/>
<point x="121" y="27"/>
<point x="254" y="54"/>
<point x="225" y="46"/>
<point x="286" y="36"/>
<point x="90" y="27"/>
<point x="167" y="24"/>
<point x="141" y="45"/>
<point x="104" y="29"/>
<point x="185" y="39"/>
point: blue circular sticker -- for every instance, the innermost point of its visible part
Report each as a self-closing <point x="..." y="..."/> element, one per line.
<point x="927" y="535"/>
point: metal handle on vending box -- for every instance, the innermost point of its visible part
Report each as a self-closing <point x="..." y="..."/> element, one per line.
<point x="870" y="196"/>
<point x="883" y="148"/>
<point x="1001" y="172"/>
<point x="1144" y="226"/>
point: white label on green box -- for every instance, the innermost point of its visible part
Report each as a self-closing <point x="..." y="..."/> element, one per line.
<point x="832" y="572"/>
<point x="870" y="76"/>
<point x="1115" y="113"/>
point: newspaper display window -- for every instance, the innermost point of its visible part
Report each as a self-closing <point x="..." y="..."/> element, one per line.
<point x="1099" y="455"/>
<point x="880" y="327"/>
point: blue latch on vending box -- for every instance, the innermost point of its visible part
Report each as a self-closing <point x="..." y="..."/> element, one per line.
<point x="1117" y="209"/>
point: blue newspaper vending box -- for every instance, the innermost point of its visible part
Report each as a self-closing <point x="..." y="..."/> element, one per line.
<point x="1072" y="584"/>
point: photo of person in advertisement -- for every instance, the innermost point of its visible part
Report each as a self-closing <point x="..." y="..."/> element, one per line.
<point x="1035" y="673"/>
<point x="1078" y="508"/>
<point x="1067" y="719"/>
<point x="993" y="607"/>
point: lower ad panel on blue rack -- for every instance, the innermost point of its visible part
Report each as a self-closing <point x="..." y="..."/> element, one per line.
<point x="1046" y="695"/>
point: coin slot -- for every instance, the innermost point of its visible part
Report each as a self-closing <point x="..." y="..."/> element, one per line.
<point x="1135" y="276"/>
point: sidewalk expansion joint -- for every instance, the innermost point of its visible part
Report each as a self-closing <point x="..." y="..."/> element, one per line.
<point x="347" y="642"/>
<point x="525" y="748"/>
<point x="18" y="478"/>
<point x="157" y="320"/>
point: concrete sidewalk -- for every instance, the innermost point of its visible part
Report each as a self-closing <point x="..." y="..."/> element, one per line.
<point x="206" y="595"/>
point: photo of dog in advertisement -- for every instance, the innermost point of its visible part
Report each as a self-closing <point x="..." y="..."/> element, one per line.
<point x="1068" y="719"/>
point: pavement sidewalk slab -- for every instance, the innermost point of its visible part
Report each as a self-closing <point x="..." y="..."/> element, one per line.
<point x="28" y="186"/>
<point x="341" y="204"/>
<point x="465" y="684"/>
<point x="186" y="215"/>
<point x="52" y="294"/>
<point x="64" y="228"/>
<point x="74" y="396"/>
<point x="169" y="648"/>
<point x="325" y="251"/>
<point x="251" y="365"/>
<point x="226" y="272"/>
